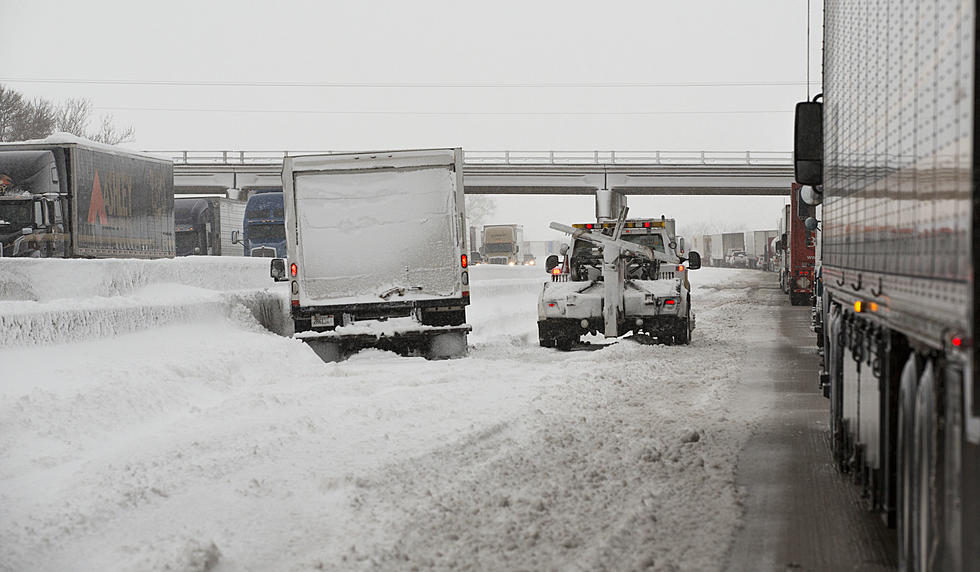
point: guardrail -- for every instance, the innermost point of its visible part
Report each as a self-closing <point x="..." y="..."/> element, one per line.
<point x="516" y="157"/>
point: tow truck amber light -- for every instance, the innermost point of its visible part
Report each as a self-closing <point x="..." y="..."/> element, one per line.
<point x="873" y="306"/>
<point x="462" y="260"/>
<point x="680" y="268"/>
<point x="292" y="269"/>
<point x="556" y="270"/>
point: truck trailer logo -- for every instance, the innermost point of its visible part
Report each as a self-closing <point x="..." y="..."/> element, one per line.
<point x="96" y="205"/>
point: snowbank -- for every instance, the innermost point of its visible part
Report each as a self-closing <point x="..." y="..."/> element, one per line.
<point x="53" y="300"/>
<point x="215" y="444"/>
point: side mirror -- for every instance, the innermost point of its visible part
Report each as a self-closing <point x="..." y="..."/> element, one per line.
<point x="550" y="263"/>
<point x="693" y="260"/>
<point x="236" y="237"/>
<point x="808" y="143"/>
<point x="277" y="269"/>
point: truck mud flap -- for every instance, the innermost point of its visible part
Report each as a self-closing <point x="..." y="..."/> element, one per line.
<point x="446" y="342"/>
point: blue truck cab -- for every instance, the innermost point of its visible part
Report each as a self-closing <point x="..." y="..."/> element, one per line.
<point x="264" y="228"/>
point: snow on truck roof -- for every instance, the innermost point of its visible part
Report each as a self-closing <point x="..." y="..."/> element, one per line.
<point x="60" y="138"/>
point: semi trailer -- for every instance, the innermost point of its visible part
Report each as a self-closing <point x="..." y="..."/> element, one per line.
<point x="890" y="154"/>
<point x="66" y="197"/>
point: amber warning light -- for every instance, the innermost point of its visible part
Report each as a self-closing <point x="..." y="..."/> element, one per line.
<point x="556" y="270"/>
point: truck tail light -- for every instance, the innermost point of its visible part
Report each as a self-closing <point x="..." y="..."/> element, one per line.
<point x="556" y="270"/>
<point x="680" y="268"/>
<point x="292" y="269"/>
<point x="670" y="301"/>
<point x="463" y="260"/>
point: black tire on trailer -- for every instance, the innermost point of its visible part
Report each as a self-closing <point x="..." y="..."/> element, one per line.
<point x="905" y="454"/>
<point x="927" y="501"/>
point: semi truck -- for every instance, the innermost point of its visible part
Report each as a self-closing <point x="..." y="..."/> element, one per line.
<point x="757" y="247"/>
<point x="890" y="153"/>
<point x="376" y="253"/>
<point x="208" y="225"/>
<point x="502" y="244"/>
<point x="616" y="278"/>
<point x="65" y="197"/>
<point x="263" y="227"/>
<point x="797" y="245"/>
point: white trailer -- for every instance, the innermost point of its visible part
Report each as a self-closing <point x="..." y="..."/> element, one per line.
<point x="376" y="252"/>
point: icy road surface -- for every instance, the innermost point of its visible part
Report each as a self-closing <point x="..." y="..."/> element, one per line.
<point x="212" y="444"/>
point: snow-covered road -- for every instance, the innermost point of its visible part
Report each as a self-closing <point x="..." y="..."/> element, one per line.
<point x="208" y="443"/>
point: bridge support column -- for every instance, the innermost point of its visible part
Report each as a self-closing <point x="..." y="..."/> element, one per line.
<point x="608" y="204"/>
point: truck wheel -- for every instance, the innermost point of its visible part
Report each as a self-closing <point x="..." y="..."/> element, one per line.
<point x="927" y="486"/>
<point x="447" y="346"/>
<point x="905" y="454"/>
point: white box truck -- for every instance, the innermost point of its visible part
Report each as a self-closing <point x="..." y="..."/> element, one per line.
<point x="376" y="252"/>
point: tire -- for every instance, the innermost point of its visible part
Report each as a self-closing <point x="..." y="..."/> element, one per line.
<point x="905" y="454"/>
<point x="927" y="493"/>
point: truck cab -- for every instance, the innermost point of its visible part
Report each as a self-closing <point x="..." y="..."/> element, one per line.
<point x="264" y="226"/>
<point x="643" y="288"/>
<point x="33" y="209"/>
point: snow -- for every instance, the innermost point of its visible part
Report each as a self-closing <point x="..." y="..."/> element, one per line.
<point x="62" y="138"/>
<point x="387" y="214"/>
<point x="206" y="442"/>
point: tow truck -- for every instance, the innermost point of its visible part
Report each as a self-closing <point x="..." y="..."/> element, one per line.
<point x="618" y="277"/>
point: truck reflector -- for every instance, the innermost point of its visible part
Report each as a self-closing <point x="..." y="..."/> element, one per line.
<point x="292" y="269"/>
<point x="859" y="306"/>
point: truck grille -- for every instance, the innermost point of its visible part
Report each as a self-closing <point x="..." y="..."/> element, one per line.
<point x="264" y="251"/>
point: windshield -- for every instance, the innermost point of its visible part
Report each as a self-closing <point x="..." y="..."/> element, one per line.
<point x="499" y="247"/>
<point x="267" y="232"/>
<point x="18" y="214"/>
<point x="651" y="241"/>
<point x="186" y="240"/>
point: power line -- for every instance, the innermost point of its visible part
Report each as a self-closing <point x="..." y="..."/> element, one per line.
<point x="400" y="85"/>
<point x="449" y="113"/>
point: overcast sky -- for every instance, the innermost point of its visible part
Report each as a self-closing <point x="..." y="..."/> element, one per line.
<point x="646" y="75"/>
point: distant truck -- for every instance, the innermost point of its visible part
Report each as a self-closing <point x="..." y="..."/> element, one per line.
<point x="502" y="244"/>
<point x="207" y="225"/>
<point x="264" y="226"/>
<point x="376" y="252"/>
<point x="65" y="197"/>
<point x="757" y="247"/>
<point x="798" y="255"/>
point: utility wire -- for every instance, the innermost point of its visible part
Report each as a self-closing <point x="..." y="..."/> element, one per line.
<point x="397" y="85"/>
<point x="448" y="113"/>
